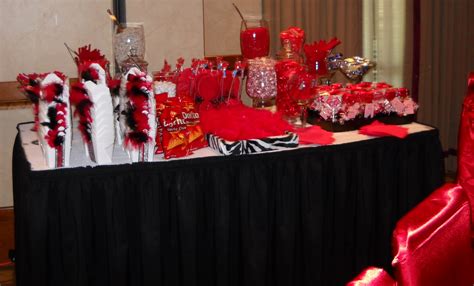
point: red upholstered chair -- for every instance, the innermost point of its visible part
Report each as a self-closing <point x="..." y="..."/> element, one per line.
<point x="373" y="276"/>
<point x="466" y="148"/>
<point x="432" y="242"/>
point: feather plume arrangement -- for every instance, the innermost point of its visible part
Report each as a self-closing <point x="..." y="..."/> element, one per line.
<point x="92" y="99"/>
<point x="53" y="94"/>
<point x="139" y="92"/>
<point x="30" y="86"/>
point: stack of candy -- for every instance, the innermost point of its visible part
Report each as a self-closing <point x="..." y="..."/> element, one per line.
<point x="337" y="103"/>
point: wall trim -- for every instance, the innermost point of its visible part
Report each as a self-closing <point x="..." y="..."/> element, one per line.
<point x="11" y="97"/>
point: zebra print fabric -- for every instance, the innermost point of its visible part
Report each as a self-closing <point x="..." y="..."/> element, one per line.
<point x="289" y="140"/>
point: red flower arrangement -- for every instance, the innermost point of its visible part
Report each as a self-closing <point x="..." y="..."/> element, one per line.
<point x="316" y="54"/>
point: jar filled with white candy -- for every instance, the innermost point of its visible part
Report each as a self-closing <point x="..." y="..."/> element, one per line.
<point x="261" y="82"/>
<point x="165" y="87"/>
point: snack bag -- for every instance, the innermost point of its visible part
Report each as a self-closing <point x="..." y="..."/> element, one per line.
<point x="161" y="104"/>
<point x="174" y="139"/>
<point x="196" y="139"/>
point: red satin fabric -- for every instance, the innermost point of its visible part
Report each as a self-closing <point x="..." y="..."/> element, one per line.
<point x="432" y="242"/>
<point x="466" y="148"/>
<point x="372" y="276"/>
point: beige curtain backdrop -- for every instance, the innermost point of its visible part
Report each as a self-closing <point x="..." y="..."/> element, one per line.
<point x="446" y="58"/>
<point x="321" y="19"/>
<point x="446" y="51"/>
<point x="384" y="28"/>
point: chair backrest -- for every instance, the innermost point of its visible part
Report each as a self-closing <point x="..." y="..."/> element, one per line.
<point x="466" y="147"/>
<point x="432" y="242"/>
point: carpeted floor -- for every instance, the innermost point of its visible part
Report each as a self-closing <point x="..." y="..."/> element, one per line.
<point x="7" y="276"/>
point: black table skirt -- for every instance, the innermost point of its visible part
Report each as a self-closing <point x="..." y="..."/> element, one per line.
<point x="314" y="216"/>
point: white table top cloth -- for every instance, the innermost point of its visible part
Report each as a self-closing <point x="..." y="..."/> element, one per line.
<point x="78" y="157"/>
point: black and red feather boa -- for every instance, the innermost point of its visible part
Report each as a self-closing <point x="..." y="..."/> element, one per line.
<point x="30" y="85"/>
<point x="80" y="99"/>
<point x="58" y="110"/>
<point x="139" y="91"/>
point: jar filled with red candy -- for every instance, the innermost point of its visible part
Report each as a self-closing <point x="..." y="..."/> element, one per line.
<point x="254" y="38"/>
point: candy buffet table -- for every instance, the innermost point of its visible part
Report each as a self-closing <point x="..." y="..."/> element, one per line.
<point x="308" y="216"/>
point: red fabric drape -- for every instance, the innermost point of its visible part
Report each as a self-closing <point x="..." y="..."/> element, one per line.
<point x="466" y="148"/>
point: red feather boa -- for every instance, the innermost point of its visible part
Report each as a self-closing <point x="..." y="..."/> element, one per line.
<point x="55" y="136"/>
<point x="30" y="85"/>
<point x="239" y="122"/>
<point x="138" y="91"/>
<point x="53" y="93"/>
<point x="80" y="99"/>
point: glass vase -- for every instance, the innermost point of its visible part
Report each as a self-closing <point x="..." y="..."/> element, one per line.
<point x="261" y="82"/>
<point x="128" y="37"/>
<point x="254" y="38"/>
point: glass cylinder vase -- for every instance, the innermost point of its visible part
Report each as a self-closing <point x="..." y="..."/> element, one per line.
<point x="254" y="38"/>
<point x="128" y="37"/>
<point x="261" y="82"/>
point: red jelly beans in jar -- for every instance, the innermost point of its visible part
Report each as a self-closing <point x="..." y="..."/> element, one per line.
<point x="254" y="39"/>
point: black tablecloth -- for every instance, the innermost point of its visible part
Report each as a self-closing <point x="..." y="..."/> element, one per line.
<point x="314" y="216"/>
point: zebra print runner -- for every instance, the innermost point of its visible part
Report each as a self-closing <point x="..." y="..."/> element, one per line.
<point x="289" y="140"/>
